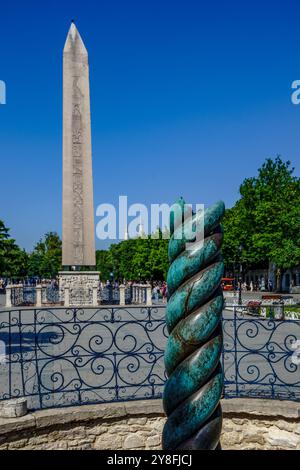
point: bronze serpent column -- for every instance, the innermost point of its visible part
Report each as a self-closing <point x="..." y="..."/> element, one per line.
<point x="193" y="315"/>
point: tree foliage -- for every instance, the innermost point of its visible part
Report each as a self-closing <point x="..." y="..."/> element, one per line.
<point x="45" y="260"/>
<point x="13" y="260"/>
<point x="265" y="221"/>
<point x="135" y="259"/>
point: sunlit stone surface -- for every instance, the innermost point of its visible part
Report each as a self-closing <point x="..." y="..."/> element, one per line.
<point x="78" y="215"/>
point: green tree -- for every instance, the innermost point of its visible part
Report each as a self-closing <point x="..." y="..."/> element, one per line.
<point x="45" y="260"/>
<point x="266" y="219"/>
<point x="135" y="259"/>
<point x="13" y="260"/>
<point x="104" y="263"/>
<point x="158" y="257"/>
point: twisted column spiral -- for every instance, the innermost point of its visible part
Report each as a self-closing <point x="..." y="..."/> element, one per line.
<point x="193" y="390"/>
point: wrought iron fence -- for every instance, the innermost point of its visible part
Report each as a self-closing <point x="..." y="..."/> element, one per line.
<point x="50" y="295"/>
<point x="109" y="295"/>
<point x="128" y="295"/>
<point x="261" y="357"/>
<point x="68" y="356"/>
<point x="62" y="357"/>
<point x="23" y="295"/>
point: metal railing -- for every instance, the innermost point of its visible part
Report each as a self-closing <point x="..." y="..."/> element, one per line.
<point x="67" y="356"/>
<point x="23" y="295"/>
<point x="61" y="357"/>
<point x="109" y="295"/>
<point x="261" y="357"/>
<point x="50" y="295"/>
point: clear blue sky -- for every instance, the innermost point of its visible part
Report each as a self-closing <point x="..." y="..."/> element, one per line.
<point x="188" y="98"/>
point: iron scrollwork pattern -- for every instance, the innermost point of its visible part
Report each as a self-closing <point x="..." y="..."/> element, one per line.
<point x="63" y="357"/>
<point x="261" y="358"/>
<point x="50" y="295"/>
<point x="23" y="295"/>
<point x="109" y="295"/>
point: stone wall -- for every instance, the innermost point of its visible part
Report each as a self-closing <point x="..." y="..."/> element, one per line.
<point x="251" y="424"/>
<point x="248" y="424"/>
<point x="260" y="434"/>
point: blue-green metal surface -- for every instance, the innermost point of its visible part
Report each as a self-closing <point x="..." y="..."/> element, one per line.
<point x="193" y="317"/>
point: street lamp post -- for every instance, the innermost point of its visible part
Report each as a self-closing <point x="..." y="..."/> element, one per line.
<point x="111" y="287"/>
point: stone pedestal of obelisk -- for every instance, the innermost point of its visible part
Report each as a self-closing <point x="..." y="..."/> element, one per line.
<point x="78" y="239"/>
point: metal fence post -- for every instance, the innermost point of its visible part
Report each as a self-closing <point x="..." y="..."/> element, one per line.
<point x="235" y="339"/>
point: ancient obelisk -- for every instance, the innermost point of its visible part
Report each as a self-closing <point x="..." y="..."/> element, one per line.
<point x="78" y="239"/>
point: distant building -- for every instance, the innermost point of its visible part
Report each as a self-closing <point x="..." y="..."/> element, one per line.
<point x="263" y="277"/>
<point x="141" y="231"/>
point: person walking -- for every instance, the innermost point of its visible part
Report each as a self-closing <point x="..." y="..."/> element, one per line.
<point x="155" y="293"/>
<point x="164" y="291"/>
<point x="270" y="285"/>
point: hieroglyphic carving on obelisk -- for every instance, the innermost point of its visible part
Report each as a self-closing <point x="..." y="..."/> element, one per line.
<point x="78" y="240"/>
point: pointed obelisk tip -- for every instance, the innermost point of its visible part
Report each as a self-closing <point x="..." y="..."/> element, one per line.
<point x="74" y="40"/>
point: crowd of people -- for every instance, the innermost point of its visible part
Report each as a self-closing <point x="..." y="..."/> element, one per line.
<point x="257" y="286"/>
<point x="160" y="291"/>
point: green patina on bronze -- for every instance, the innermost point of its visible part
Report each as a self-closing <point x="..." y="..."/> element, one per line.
<point x="193" y="316"/>
<point x="192" y="373"/>
<point x="188" y="417"/>
<point x="189" y="262"/>
<point x="192" y="331"/>
<point x="193" y="293"/>
<point x="182" y="235"/>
